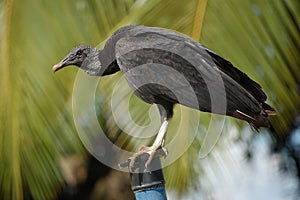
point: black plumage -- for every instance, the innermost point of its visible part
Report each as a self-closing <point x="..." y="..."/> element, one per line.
<point x="166" y="68"/>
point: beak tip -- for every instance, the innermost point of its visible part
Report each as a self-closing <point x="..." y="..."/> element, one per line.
<point x="56" y="67"/>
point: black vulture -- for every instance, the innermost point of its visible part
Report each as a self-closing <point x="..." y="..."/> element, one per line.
<point x="166" y="68"/>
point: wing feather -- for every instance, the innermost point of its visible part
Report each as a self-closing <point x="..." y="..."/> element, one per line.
<point x="210" y="76"/>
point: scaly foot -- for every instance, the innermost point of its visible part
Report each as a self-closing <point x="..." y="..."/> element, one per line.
<point x="151" y="151"/>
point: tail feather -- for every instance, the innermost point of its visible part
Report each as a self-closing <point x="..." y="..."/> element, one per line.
<point x="256" y="122"/>
<point x="268" y="109"/>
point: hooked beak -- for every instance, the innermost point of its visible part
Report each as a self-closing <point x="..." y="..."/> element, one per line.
<point x="59" y="65"/>
<point x="56" y="67"/>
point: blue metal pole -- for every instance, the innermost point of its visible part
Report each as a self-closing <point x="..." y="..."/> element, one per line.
<point x="147" y="184"/>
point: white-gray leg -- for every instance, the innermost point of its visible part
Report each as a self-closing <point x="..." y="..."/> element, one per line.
<point x="160" y="138"/>
<point x="157" y="145"/>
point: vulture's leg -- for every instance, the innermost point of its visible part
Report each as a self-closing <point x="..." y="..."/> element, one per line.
<point x="166" y="112"/>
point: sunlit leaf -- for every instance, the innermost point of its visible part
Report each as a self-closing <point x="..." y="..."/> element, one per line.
<point x="36" y="124"/>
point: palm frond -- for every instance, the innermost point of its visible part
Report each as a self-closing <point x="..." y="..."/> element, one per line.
<point x="37" y="129"/>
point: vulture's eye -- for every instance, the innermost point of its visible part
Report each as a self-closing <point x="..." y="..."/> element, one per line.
<point x="79" y="52"/>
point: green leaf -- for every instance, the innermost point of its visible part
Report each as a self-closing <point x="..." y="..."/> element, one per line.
<point x="260" y="37"/>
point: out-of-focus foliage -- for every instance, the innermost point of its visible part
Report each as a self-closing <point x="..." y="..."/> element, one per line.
<point x="36" y="127"/>
<point x="262" y="39"/>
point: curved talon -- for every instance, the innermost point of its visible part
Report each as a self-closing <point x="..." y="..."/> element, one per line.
<point x="152" y="154"/>
<point x="151" y="151"/>
<point x="160" y="150"/>
<point x="134" y="157"/>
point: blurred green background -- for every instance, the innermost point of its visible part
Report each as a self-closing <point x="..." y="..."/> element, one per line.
<point x="41" y="155"/>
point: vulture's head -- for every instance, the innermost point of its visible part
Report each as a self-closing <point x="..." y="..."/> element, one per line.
<point x="83" y="56"/>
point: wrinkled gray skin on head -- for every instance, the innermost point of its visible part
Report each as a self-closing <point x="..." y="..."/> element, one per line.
<point x="83" y="56"/>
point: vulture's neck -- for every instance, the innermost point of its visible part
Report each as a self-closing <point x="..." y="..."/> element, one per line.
<point x="97" y="64"/>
